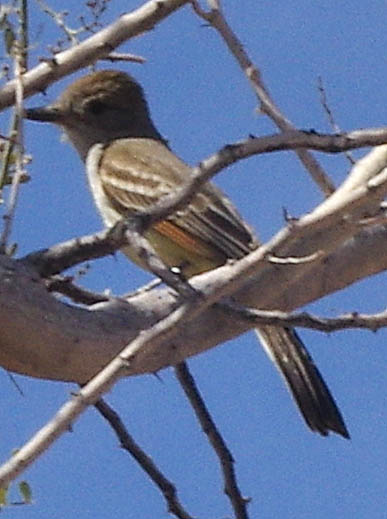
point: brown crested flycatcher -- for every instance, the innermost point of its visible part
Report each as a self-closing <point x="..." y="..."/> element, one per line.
<point x="130" y="167"/>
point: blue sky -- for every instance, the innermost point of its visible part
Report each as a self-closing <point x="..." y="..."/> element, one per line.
<point x="200" y="101"/>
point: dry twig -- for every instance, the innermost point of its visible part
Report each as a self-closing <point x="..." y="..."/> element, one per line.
<point x="128" y="443"/>
<point x="208" y="425"/>
<point x="216" y="19"/>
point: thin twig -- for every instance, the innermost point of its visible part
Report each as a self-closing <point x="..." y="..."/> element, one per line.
<point x="216" y="19"/>
<point x="335" y="127"/>
<point x="23" y="35"/>
<point x="59" y="19"/>
<point x="16" y="140"/>
<point x="120" y="56"/>
<point x="294" y="260"/>
<point x="128" y="443"/>
<point x="66" y="287"/>
<point x="208" y="425"/>
<point x="6" y="151"/>
<point x="105" y="41"/>
<point x="152" y="285"/>
<point x="18" y="146"/>
<point x="372" y="322"/>
<point x="352" y="320"/>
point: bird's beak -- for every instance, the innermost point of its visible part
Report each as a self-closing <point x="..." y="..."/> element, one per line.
<point x="45" y="114"/>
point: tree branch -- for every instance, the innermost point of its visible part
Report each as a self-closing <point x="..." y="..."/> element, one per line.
<point x="65" y="255"/>
<point x="162" y="331"/>
<point x="42" y="337"/>
<point x="216" y="19"/>
<point x="253" y="281"/>
<point x="128" y="443"/>
<point x="216" y="440"/>
<point x="97" y="46"/>
<point x="257" y="318"/>
<point x="46" y="351"/>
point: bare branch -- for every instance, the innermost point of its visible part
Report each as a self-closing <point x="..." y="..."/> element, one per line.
<point x="60" y="257"/>
<point x="44" y="338"/>
<point x="92" y="391"/>
<point x="59" y="20"/>
<point x="56" y="259"/>
<point x="120" y="56"/>
<point x="209" y="428"/>
<point x="51" y="261"/>
<point x="324" y="229"/>
<point x="216" y="19"/>
<point x="97" y="46"/>
<point x="158" y="339"/>
<point x="372" y="322"/>
<point x="23" y="35"/>
<point x="128" y="443"/>
<point x="17" y="144"/>
<point x="66" y="287"/>
<point x="335" y="127"/>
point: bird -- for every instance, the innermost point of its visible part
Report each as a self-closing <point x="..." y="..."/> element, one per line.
<point x="130" y="167"/>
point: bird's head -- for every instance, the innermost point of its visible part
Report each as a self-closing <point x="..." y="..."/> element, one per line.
<point x="98" y="108"/>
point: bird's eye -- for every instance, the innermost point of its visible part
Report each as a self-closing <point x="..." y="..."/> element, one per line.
<point x="96" y="107"/>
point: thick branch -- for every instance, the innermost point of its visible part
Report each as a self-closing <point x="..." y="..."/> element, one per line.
<point x="57" y="332"/>
<point x="45" y="338"/>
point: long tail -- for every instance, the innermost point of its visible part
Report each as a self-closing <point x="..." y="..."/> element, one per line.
<point x="306" y="385"/>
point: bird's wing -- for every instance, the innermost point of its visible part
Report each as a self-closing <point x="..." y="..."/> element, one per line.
<point x="137" y="173"/>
